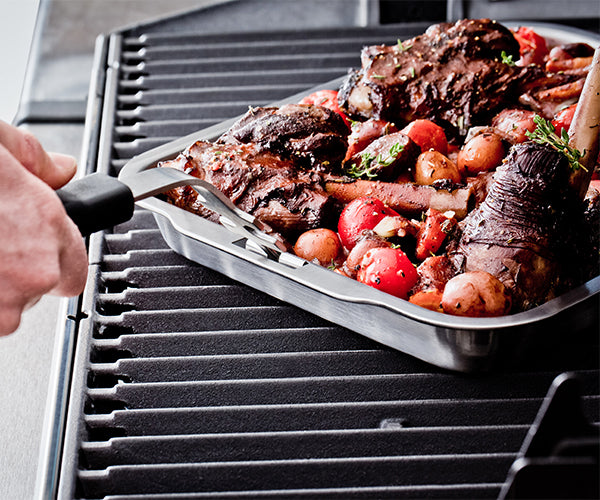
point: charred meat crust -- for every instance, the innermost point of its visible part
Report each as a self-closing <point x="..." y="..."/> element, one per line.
<point x="258" y="182"/>
<point x="453" y="74"/>
<point x="515" y="233"/>
<point x="311" y="136"/>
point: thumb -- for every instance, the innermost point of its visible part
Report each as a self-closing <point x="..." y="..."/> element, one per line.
<point x="65" y="167"/>
<point x="53" y="168"/>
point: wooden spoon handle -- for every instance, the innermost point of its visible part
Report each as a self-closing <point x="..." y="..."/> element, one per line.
<point x="585" y="128"/>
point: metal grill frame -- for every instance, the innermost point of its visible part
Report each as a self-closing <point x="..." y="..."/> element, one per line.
<point x="99" y="153"/>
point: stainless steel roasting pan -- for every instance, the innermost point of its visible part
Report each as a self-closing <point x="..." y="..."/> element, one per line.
<point x="455" y="343"/>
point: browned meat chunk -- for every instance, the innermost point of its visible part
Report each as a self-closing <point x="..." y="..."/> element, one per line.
<point x="517" y="233"/>
<point x="311" y="136"/>
<point x="453" y="74"/>
<point x="258" y="182"/>
<point x="385" y="158"/>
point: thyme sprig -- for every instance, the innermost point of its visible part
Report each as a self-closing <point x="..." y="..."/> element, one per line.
<point x="507" y="59"/>
<point x="370" y="165"/>
<point x="545" y="134"/>
<point x="401" y="47"/>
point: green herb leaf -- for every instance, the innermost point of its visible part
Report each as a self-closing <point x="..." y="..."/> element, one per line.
<point x="545" y="134"/>
<point x="401" y="47"/>
<point x="506" y="59"/>
<point x="371" y="164"/>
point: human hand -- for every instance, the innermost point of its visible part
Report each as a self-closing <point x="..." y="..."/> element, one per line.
<point x="42" y="250"/>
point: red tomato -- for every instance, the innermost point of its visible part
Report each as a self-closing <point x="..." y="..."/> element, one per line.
<point x="359" y="215"/>
<point x="432" y="233"/>
<point x="562" y="119"/>
<point x="388" y="270"/>
<point x="327" y="99"/>
<point x="427" y="135"/>
<point x="532" y="47"/>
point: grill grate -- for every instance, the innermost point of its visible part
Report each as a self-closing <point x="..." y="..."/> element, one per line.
<point x="193" y="385"/>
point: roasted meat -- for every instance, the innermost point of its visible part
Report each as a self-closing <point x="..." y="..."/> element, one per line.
<point x="517" y="233"/>
<point x="386" y="157"/>
<point x="258" y="182"/>
<point x="311" y="136"/>
<point x="453" y="74"/>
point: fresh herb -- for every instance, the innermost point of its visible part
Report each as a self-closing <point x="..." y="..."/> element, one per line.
<point x="506" y="59"/>
<point x="401" y="47"/>
<point x="412" y="71"/>
<point x="545" y="134"/>
<point x="379" y="77"/>
<point x="371" y="164"/>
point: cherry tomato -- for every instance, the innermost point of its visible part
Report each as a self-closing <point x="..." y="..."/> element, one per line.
<point x="388" y="270"/>
<point x="360" y="214"/>
<point x="328" y="99"/>
<point x="321" y="244"/>
<point x="562" y="119"/>
<point x="432" y="233"/>
<point x="427" y="135"/>
<point x="532" y="47"/>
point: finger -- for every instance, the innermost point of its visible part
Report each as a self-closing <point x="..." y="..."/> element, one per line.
<point x="10" y="319"/>
<point x="55" y="170"/>
<point x="73" y="262"/>
<point x="65" y="169"/>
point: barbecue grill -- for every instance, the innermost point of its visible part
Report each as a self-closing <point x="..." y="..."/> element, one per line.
<point x="174" y="381"/>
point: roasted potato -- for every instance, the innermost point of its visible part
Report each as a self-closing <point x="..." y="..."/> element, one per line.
<point x="476" y="294"/>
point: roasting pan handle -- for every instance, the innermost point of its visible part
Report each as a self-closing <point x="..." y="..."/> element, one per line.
<point x="97" y="201"/>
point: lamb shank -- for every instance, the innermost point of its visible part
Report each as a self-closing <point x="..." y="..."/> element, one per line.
<point x="534" y="229"/>
<point x="453" y="74"/>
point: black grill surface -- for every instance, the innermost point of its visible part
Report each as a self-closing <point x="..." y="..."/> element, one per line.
<point x="189" y="385"/>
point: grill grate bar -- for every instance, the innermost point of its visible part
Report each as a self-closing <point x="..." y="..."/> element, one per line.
<point x="234" y="341"/>
<point x="313" y="389"/>
<point x="292" y="445"/>
<point x="330" y="415"/>
<point x="279" y="474"/>
<point x="254" y="49"/>
<point x="282" y="37"/>
<point x="445" y="492"/>
<point x="306" y="76"/>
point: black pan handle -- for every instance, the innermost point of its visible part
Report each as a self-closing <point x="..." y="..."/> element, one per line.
<point x="97" y="201"/>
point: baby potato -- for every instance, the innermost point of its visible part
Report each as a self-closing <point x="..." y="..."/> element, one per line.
<point x="322" y="245"/>
<point x="476" y="294"/>
<point x="481" y="154"/>
<point x="432" y="166"/>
